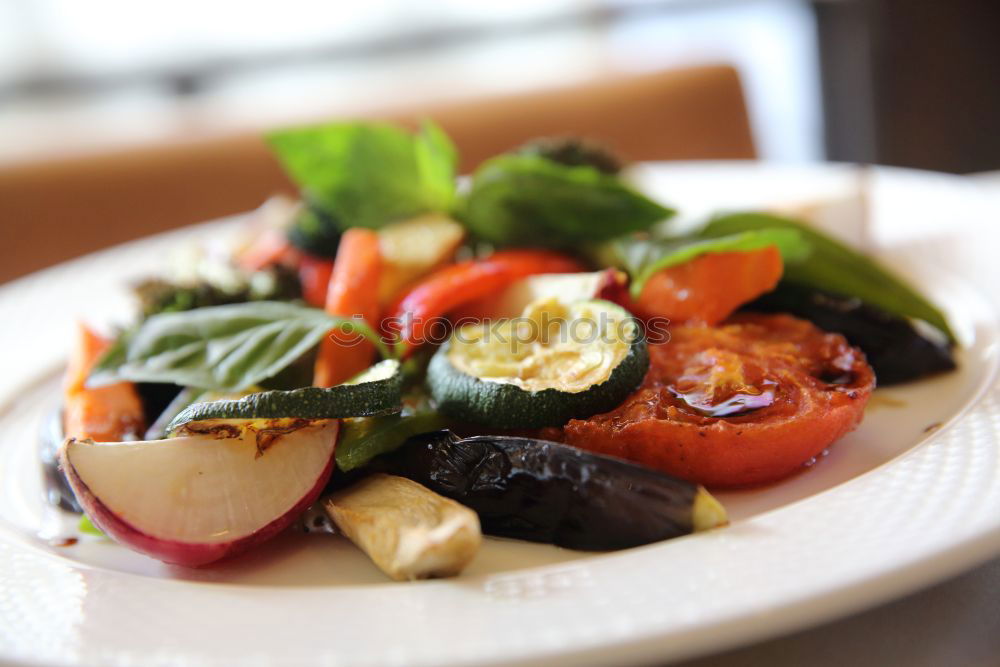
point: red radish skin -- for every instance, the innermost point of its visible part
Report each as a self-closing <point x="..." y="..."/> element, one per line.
<point x="187" y="554"/>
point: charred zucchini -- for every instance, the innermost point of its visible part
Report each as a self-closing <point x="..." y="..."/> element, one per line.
<point x="895" y="348"/>
<point x="554" y="363"/>
<point x="377" y="391"/>
<point x="548" y="492"/>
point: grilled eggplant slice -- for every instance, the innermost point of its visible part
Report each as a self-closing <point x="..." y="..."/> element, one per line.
<point x="549" y="492"/>
<point x="895" y="348"/>
<point x="57" y="488"/>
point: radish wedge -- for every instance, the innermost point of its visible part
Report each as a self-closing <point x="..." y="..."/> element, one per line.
<point x="195" y="499"/>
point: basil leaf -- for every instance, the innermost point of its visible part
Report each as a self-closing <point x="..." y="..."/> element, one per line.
<point x="113" y="357"/>
<point x="641" y="258"/>
<point x="87" y="527"/>
<point x="531" y="200"/>
<point x="369" y="174"/>
<point x="836" y="268"/>
<point x="222" y="348"/>
<point x="436" y="161"/>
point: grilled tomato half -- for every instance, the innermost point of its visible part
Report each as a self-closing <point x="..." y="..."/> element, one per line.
<point x="745" y="403"/>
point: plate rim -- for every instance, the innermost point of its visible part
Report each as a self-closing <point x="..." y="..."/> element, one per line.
<point x="789" y="616"/>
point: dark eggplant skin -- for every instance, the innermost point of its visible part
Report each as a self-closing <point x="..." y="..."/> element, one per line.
<point x="894" y="347"/>
<point x="155" y="398"/>
<point x="57" y="489"/>
<point x="548" y="492"/>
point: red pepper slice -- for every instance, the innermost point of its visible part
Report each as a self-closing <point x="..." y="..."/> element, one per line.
<point x="421" y="309"/>
<point x="314" y="276"/>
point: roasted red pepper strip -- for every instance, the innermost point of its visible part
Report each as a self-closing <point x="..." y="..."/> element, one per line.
<point x="441" y="292"/>
<point x="269" y="248"/>
<point x="314" y="276"/>
<point x="709" y="288"/>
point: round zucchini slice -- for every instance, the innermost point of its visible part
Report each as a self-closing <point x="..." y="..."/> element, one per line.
<point x="554" y="363"/>
<point x="376" y="391"/>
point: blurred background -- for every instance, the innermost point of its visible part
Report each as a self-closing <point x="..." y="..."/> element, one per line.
<point x="903" y="82"/>
<point x="125" y="118"/>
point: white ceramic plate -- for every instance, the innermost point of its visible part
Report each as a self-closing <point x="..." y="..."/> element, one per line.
<point x="909" y="498"/>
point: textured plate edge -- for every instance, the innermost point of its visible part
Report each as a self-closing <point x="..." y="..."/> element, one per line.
<point x="914" y="575"/>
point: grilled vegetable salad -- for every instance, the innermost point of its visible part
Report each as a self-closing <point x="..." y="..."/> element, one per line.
<point x="541" y="355"/>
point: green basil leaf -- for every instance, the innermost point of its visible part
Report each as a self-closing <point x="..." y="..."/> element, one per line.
<point x="222" y="348"/>
<point x="87" y="527"/>
<point x="834" y="267"/>
<point x="436" y="162"/>
<point x="113" y="357"/>
<point x="369" y="174"/>
<point x="519" y="199"/>
<point x="641" y="258"/>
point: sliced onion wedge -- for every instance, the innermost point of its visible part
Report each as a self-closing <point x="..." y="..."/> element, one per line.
<point x="204" y="496"/>
<point x="407" y="530"/>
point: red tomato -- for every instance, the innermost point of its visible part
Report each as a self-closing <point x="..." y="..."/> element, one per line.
<point x="746" y="403"/>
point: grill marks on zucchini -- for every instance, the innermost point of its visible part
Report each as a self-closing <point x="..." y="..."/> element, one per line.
<point x="377" y="391"/>
<point x="555" y="363"/>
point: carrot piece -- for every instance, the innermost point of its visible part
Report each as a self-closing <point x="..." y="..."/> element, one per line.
<point x="88" y="346"/>
<point x="314" y="276"/>
<point x="710" y="287"/>
<point x="105" y="414"/>
<point x="417" y="312"/>
<point x="269" y="248"/>
<point x="353" y="291"/>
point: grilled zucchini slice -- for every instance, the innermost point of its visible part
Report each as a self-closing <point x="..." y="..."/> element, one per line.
<point x="554" y="363"/>
<point x="377" y="391"/>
